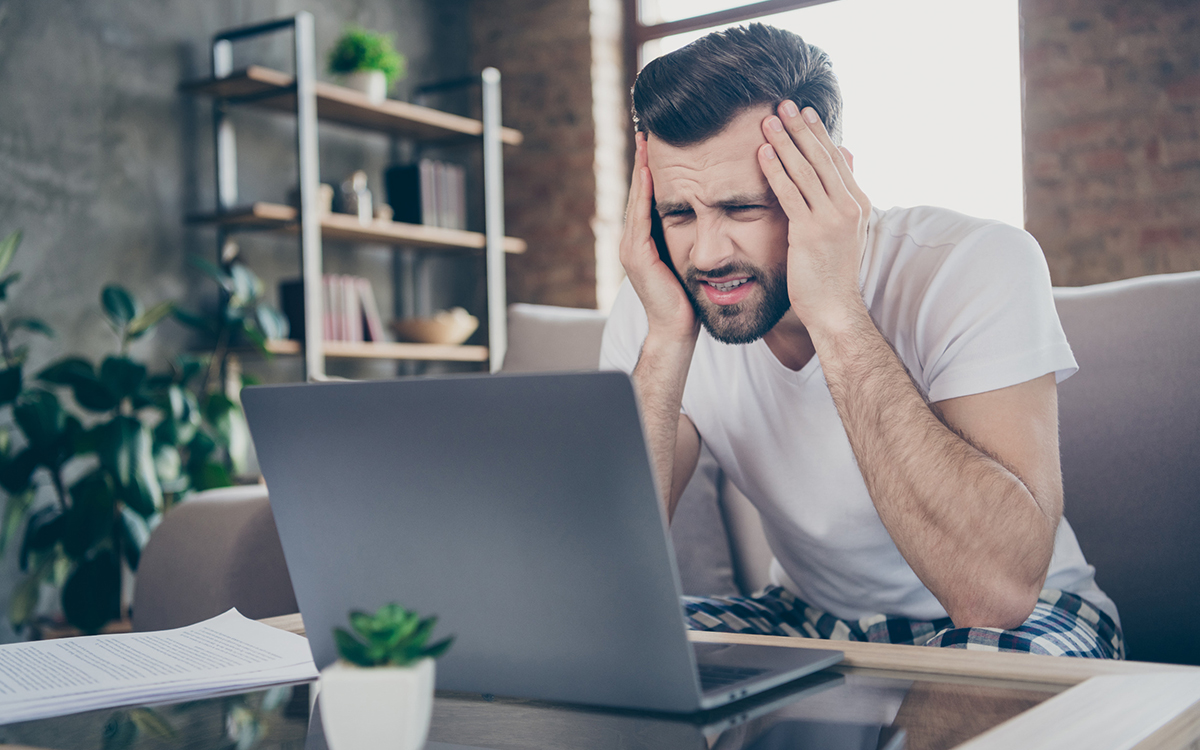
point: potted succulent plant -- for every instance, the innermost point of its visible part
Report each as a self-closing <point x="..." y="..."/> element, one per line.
<point x="367" y="62"/>
<point x="380" y="693"/>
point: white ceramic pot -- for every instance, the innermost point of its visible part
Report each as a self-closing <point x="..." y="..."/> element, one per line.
<point x="384" y="707"/>
<point x="373" y="83"/>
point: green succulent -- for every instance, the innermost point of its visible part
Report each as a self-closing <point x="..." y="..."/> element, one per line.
<point x="359" y="49"/>
<point x="392" y="637"/>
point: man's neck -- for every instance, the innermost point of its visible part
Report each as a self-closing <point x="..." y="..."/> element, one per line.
<point x="790" y="343"/>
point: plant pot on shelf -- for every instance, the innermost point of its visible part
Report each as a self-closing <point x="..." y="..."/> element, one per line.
<point x="365" y="707"/>
<point x="373" y="83"/>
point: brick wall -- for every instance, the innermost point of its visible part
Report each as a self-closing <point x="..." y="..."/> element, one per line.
<point x="543" y="51"/>
<point x="1112" y="136"/>
<point x="1112" y="139"/>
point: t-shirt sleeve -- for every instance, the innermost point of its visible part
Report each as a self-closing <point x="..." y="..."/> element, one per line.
<point x="987" y="319"/>
<point x="624" y="332"/>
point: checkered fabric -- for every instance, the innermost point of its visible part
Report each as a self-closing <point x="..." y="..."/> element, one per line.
<point x="1062" y="624"/>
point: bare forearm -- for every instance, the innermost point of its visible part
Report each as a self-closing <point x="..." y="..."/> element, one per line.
<point x="659" y="379"/>
<point x="972" y="530"/>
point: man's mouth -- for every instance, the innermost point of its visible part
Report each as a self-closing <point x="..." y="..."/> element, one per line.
<point x="726" y="286"/>
<point x="728" y="291"/>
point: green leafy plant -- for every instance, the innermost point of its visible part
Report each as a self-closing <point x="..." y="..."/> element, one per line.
<point x="196" y="442"/>
<point x="359" y="49"/>
<point x="112" y="446"/>
<point x="203" y="441"/>
<point x="393" y="636"/>
<point x="92" y="451"/>
<point x="17" y="463"/>
<point x="243" y="315"/>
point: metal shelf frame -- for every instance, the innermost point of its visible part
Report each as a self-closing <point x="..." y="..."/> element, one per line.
<point x="302" y="89"/>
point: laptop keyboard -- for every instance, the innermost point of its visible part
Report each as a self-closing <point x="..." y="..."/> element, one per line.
<point x="713" y="677"/>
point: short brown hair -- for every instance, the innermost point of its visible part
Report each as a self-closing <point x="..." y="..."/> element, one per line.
<point x="691" y="94"/>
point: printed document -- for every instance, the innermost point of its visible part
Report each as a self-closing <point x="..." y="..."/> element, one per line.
<point x="228" y="653"/>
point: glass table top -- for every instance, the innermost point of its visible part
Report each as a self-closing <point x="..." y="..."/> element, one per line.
<point x="837" y="708"/>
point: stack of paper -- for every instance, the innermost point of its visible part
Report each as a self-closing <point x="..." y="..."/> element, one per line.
<point x="228" y="653"/>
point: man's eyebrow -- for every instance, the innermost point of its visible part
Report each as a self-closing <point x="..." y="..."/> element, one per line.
<point x="746" y="199"/>
<point x="668" y="208"/>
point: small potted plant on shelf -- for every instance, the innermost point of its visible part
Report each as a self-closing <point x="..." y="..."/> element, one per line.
<point x="367" y="62"/>
<point x="380" y="693"/>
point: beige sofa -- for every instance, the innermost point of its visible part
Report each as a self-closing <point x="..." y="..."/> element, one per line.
<point x="1130" y="424"/>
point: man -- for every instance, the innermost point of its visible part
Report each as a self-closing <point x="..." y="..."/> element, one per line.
<point x="881" y="384"/>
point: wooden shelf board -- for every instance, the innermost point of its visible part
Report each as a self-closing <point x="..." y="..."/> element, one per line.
<point x="278" y="217"/>
<point x="272" y="89"/>
<point x="388" y="350"/>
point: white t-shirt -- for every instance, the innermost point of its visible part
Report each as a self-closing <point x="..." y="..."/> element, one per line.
<point x="967" y="305"/>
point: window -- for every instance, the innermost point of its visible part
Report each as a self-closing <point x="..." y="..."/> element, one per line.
<point x="932" y="92"/>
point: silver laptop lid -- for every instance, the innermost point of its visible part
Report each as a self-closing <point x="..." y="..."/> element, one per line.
<point x="519" y="509"/>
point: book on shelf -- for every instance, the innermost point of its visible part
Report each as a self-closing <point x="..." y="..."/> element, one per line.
<point x="351" y="311"/>
<point x="430" y="192"/>
<point x="371" y="317"/>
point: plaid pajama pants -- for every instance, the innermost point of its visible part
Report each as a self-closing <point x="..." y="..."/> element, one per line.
<point x="1062" y="624"/>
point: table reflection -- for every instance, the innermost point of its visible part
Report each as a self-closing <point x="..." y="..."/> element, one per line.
<point x="839" y="708"/>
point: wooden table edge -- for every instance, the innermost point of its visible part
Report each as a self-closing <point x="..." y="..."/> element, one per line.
<point x="1180" y="731"/>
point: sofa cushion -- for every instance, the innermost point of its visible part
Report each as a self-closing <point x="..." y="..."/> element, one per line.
<point x="543" y="338"/>
<point x="1130" y="426"/>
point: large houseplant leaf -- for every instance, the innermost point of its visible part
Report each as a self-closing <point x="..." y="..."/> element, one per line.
<point x="134" y="532"/>
<point x="8" y="248"/>
<point x="147" y="320"/>
<point x="91" y="597"/>
<point x="16" y="505"/>
<point x="122" y="376"/>
<point x="6" y="282"/>
<point x="271" y="322"/>
<point x="40" y="417"/>
<point x="24" y="598"/>
<point x="77" y="373"/>
<point x="192" y="320"/>
<point x="44" y="530"/>
<point x="67" y="370"/>
<point x="16" y="471"/>
<point x="246" y="286"/>
<point x="203" y="470"/>
<point x="219" y="409"/>
<point x="125" y="448"/>
<point x="120" y="306"/>
<point x="37" y="325"/>
<point x="10" y="384"/>
<point x="91" y="515"/>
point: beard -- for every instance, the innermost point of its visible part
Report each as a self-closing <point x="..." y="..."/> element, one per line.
<point x="749" y="320"/>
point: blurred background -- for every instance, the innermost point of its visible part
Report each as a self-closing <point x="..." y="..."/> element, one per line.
<point x="1076" y="119"/>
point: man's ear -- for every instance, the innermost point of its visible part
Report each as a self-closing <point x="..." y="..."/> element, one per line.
<point x="849" y="156"/>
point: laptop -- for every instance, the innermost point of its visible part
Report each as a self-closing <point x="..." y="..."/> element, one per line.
<point x="521" y="510"/>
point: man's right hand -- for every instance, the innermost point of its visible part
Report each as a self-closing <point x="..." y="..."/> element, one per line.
<point x="668" y="309"/>
<point x="662" y="366"/>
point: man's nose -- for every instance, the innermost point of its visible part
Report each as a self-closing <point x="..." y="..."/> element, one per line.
<point x="713" y="247"/>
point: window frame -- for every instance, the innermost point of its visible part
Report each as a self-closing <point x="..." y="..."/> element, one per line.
<point x="638" y="33"/>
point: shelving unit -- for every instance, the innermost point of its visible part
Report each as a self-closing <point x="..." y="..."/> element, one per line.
<point x="309" y="101"/>
<point x="280" y="218"/>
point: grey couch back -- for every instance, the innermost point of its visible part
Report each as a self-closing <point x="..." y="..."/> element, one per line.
<point x="1130" y="426"/>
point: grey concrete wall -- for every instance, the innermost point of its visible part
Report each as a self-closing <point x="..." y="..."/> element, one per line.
<point x="101" y="158"/>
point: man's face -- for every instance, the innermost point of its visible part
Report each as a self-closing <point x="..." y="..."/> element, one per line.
<point x="726" y="233"/>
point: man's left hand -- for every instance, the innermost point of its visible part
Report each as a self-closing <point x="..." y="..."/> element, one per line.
<point x="827" y="216"/>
